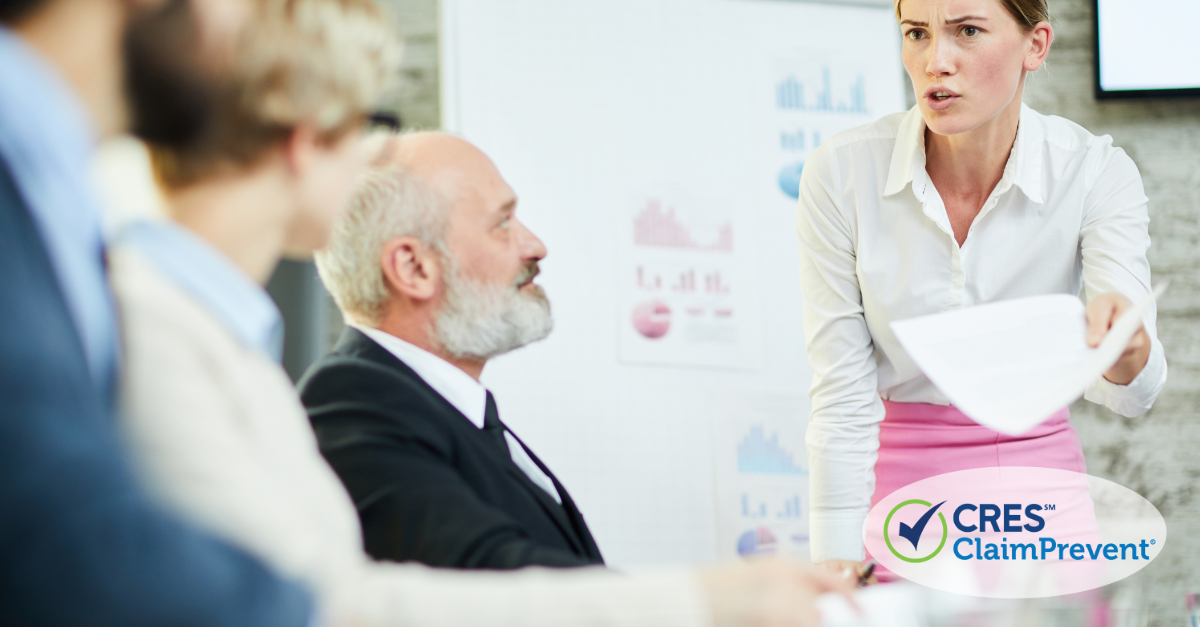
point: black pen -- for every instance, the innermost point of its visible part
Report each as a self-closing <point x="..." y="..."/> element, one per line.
<point x="864" y="573"/>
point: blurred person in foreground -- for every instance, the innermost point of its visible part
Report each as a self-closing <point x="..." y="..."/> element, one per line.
<point x="79" y="542"/>
<point x="435" y="274"/>
<point x="216" y="426"/>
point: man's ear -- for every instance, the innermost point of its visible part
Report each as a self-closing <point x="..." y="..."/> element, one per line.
<point x="411" y="268"/>
<point x="300" y="148"/>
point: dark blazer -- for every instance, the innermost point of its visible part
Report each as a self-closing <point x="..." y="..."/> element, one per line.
<point x="79" y="542"/>
<point x="428" y="484"/>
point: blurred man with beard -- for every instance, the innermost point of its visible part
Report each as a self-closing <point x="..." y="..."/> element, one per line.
<point x="79" y="542"/>
<point x="434" y="273"/>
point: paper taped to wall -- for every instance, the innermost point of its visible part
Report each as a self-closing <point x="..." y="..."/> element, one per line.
<point x="1010" y="365"/>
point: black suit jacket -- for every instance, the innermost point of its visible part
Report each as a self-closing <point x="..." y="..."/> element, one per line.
<point x="80" y="544"/>
<point x="429" y="485"/>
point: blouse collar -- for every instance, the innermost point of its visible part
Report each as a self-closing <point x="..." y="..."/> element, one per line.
<point x="1024" y="167"/>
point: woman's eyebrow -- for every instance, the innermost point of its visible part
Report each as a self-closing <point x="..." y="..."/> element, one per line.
<point x="957" y="20"/>
<point x="967" y="18"/>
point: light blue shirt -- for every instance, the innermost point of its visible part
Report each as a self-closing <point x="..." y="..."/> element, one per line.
<point x="207" y="275"/>
<point x="46" y="141"/>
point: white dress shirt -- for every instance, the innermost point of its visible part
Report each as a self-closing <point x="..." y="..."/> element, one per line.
<point x="467" y="395"/>
<point x="876" y="246"/>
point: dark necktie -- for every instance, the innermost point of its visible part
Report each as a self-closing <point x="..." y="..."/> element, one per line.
<point x="492" y="426"/>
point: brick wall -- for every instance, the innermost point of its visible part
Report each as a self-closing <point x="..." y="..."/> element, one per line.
<point x="1155" y="454"/>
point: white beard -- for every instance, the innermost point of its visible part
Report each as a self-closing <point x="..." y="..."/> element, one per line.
<point x="481" y="321"/>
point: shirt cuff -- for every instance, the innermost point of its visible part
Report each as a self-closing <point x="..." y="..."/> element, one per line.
<point x="839" y="538"/>
<point x="1136" y="398"/>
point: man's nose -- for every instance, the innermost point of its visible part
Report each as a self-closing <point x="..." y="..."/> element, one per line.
<point x="531" y="246"/>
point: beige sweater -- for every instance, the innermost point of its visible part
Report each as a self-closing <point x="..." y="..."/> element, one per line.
<point x="218" y="434"/>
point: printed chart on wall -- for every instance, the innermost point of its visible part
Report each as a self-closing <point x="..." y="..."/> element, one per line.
<point x="761" y="474"/>
<point x="817" y="95"/>
<point x="656" y="148"/>
<point x="688" y="290"/>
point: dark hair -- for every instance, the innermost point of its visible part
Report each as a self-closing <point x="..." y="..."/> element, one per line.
<point x="13" y="10"/>
<point x="1028" y="13"/>
<point x="171" y="96"/>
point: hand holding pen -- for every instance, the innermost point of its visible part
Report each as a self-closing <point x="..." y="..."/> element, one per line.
<point x="860" y="571"/>
<point x="866" y="574"/>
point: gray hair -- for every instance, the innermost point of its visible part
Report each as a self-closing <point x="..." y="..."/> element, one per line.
<point x="387" y="203"/>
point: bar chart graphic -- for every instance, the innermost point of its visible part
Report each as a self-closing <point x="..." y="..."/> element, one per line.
<point x="762" y="475"/>
<point x="794" y="94"/>
<point x="752" y="508"/>
<point x="686" y="297"/>
<point x="683" y="282"/>
<point x="797" y="140"/>
<point x="815" y="97"/>
<point x="654" y="226"/>
<point x="758" y="454"/>
<point x="794" y="141"/>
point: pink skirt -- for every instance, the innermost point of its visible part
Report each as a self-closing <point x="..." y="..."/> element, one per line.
<point x="918" y="441"/>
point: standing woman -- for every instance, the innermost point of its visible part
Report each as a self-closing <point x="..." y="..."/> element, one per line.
<point x="968" y="198"/>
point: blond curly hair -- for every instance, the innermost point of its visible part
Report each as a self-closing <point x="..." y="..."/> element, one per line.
<point x="325" y="63"/>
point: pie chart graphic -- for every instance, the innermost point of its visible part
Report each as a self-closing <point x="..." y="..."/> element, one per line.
<point x="789" y="179"/>
<point x="756" y="542"/>
<point x="652" y="319"/>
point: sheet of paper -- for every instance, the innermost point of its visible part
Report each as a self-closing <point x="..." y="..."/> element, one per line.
<point x="1010" y="365"/>
<point x="891" y="605"/>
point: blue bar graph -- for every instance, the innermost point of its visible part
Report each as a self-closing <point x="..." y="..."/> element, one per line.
<point x="825" y="99"/>
<point x="791" y="508"/>
<point x="757" y="509"/>
<point x="760" y="511"/>
<point x="790" y="95"/>
<point x="757" y="454"/>
<point x="793" y="141"/>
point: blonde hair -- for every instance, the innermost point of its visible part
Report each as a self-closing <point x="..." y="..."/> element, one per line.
<point x="387" y="203"/>
<point x="1028" y="13"/>
<point x="326" y="63"/>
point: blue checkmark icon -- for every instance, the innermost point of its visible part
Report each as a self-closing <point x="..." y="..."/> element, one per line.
<point x="913" y="533"/>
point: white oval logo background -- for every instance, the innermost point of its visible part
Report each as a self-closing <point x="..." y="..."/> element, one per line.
<point x="1014" y="532"/>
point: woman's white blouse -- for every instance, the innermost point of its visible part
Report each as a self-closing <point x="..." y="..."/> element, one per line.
<point x="876" y="246"/>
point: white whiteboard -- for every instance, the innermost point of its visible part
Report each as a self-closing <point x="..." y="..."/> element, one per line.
<point x="650" y="143"/>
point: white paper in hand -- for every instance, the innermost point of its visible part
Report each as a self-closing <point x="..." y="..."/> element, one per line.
<point x="1010" y="365"/>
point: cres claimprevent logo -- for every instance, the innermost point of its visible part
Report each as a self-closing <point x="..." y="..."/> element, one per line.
<point x="914" y="533"/>
<point x="1013" y="532"/>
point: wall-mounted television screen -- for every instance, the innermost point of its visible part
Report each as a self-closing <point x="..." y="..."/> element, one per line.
<point x="1147" y="48"/>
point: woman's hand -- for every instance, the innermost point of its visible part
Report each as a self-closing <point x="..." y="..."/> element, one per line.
<point x="846" y="569"/>
<point x="1101" y="313"/>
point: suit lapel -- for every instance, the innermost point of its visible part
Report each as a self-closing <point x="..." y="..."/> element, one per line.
<point x="566" y="516"/>
<point x="556" y="512"/>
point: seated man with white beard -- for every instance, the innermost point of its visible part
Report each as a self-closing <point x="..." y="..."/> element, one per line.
<point x="434" y="275"/>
